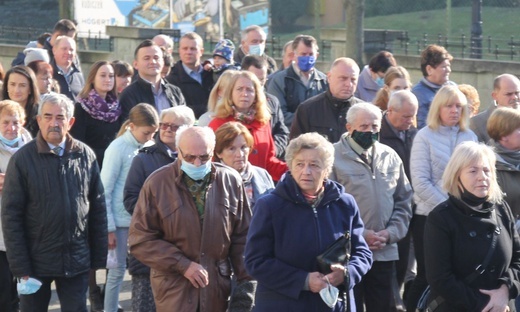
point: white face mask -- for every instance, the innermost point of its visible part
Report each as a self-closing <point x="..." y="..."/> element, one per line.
<point x="256" y="49"/>
<point x="329" y="295"/>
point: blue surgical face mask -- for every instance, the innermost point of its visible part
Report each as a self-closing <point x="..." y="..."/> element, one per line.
<point x="194" y="172"/>
<point x="306" y="63"/>
<point x="7" y="142"/>
<point x="256" y="49"/>
<point x="380" y="81"/>
<point x="29" y="286"/>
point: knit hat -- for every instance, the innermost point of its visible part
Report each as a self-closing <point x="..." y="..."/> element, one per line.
<point x="32" y="44"/>
<point x="225" y="48"/>
<point x="35" y="54"/>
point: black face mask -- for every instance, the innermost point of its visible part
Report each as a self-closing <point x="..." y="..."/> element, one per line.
<point x="469" y="198"/>
<point x="365" y="139"/>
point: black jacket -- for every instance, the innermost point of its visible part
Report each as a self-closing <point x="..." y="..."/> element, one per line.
<point x="278" y="128"/>
<point x="140" y="91"/>
<point x="72" y="85"/>
<point x="148" y="160"/>
<point x="53" y="211"/>
<point x="97" y="134"/>
<point x="196" y="94"/>
<point x="324" y="114"/>
<point x="403" y="148"/>
<point x="456" y="240"/>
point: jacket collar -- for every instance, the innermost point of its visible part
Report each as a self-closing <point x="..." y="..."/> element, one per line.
<point x="289" y="190"/>
<point x="337" y="102"/>
<point x="42" y="146"/>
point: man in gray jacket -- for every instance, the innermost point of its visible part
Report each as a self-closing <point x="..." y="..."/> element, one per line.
<point x="374" y="174"/>
<point x="299" y="81"/>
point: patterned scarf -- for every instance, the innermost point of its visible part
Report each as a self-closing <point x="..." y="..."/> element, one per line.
<point x="198" y="191"/>
<point x="98" y="108"/>
<point x="245" y="118"/>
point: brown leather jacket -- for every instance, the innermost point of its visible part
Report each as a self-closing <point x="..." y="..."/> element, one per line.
<point x="166" y="235"/>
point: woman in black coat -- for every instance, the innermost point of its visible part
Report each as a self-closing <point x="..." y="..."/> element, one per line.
<point x="460" y="231"/>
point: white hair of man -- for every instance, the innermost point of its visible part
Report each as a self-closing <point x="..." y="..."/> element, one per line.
<point x="206" y="132"/>
<point x="397" y="99"/>
<point x="181" y="112"/>
<point x="57" y="99"/>
<point x="369" y="108"/>
<point x="248" y="29"/>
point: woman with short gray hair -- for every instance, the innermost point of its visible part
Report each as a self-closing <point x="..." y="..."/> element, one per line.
<point x="294" y="224"/>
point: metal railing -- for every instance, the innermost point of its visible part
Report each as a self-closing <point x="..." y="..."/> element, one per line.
<point x="85" y="40"/>
<point x="492" y="48"/>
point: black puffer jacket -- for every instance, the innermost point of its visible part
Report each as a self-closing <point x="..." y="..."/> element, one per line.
<point x="53" y="211"/>
<point x="148" y="160"/>
<point x="140" y="91"/>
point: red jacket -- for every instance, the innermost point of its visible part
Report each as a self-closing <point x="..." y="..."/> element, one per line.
<point x="263" y="153"/>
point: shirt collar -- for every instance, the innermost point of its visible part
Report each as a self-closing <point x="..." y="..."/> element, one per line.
<point x="189" y="70"/>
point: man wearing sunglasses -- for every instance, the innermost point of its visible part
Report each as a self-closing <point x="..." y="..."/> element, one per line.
<point x="190" y="225"/>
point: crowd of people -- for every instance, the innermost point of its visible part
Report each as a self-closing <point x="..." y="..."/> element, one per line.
<point x="218" y="183"/>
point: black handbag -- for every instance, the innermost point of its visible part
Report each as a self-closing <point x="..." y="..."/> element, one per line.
<point x="337" y="252"/>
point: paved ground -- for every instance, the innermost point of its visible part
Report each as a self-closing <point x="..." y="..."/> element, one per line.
<point x="124" y="297"/>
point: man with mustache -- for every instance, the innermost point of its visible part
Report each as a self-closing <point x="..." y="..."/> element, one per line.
<point x="506" y="93"/>
<point x="149" y="87"/>
<point x="53" y="211"/>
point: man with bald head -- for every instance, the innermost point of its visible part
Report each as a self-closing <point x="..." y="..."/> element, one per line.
<point x="506" y="93"/>
<point x="165" y="42"/>
<point x="190" y="225"/>
<point x="326" y="113"/>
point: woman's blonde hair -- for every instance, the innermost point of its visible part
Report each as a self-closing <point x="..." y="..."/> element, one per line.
<point x="311" y="141"/>
<point x="443" y="97"/>
<point x="221" y="84"/>
<point x="502" y="122"/>
<point x="466" y="154"/>
<point x="472" y="95"/>
<point x="141" y="115"/>
<point x="393" y="73"/>
<point x="225" y="108"/>
<point x="12" y="108"/>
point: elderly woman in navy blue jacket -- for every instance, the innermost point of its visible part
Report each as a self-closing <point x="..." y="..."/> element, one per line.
<point x="294" y="224"/>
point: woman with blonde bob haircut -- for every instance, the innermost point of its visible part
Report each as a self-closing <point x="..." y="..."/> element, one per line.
<point x="431" y="150"/>
<point x="503" y="128"/>
<point x="461" y="231"/>
<point x="451" y="97"/>
<point x="244" y="101"/>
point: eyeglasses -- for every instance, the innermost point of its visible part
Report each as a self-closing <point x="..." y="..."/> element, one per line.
<point x="191" y="158"/>
<point x="166" y="126"/>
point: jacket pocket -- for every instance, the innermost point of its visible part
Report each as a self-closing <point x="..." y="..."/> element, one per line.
<point x="224" y="278"/>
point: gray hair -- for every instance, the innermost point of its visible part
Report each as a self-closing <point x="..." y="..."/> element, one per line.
<point x="399" y="97"/>
<point x="181" y="112"/>
<point x="312" y="141"/>
<point x="363" y="107"/>
<point x="57" y="99"/>
<point x="205" y="132"/>
<point x="248" y="29"/>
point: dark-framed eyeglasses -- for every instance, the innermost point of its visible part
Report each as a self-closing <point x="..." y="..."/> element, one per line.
<point x="191" y="158"/>
<point x="164" y="126"/>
